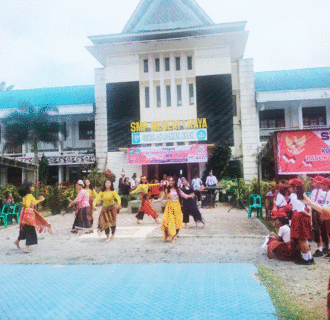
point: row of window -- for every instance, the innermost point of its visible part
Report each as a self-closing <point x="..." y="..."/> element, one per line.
<point x="167" y="64"/>
<point x="169" y="96"/>
<point x="86" y="131"/>
<point x="312" y="116"/>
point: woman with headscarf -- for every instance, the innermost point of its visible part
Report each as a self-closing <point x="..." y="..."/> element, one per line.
<point x="81" y="221"/>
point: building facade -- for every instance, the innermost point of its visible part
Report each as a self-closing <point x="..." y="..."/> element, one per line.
<point x="173" y="63"/>
<point x="173" y="83"/>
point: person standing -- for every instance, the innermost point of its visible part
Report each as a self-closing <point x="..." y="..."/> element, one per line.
<point x="325" y="215"/>
<point x="196" y="184"/>
<point x="82" y="200"/>
<point x="30" y="219"/>
<point x="301" y="228"/>
<point x="126" y="187"/>
<point x="164" y="182"/>
<point x="121" y="182"/>
<point x="146" y="206"/>
<point x="189" y="205"/>
<point x="318" y="196"/>
<point x="92" y="194"/>
<point x="172" y="217"/>
<point x="108" y="215"/>
<point x="211" y="181"/>
<point x="133" y="182"/>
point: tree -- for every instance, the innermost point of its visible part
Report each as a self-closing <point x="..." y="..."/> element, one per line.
<point x="4" y="88"/>
<point x="30" y="124"/>
<point x="43" y="169"/>
<point x="219" y="160"/>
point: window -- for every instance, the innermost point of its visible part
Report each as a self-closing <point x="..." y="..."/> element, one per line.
<point x="189" y="63"/>
<point x="314" y="116"/>
<point x="147" y="98"/>
<point x="168" y="96"/>
<point x="157" y="65"/>
<point x="159" y="100"/>
<point x="86" y="130"/>
<point x="167" y="64"/>
<point x="145" y="66"/>
<point x="14" y="149"/>
<point x="191" y="94"/>
<point x="179" y="95"/>
<point x="64" y="131"/>
<point x="270" y="119"/>
<point x="177" y="64"/>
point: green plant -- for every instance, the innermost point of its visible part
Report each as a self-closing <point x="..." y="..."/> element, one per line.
<point x="125" y="199"/>
<point x="98" y="178"/>
<point x="11" y="188"/>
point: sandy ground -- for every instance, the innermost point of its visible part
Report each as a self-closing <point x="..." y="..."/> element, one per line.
<point x="228" y="237"/>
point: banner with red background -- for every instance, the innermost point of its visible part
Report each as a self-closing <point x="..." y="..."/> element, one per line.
<point x="303" y="152"/>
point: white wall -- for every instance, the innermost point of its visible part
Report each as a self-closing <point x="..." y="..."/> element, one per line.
<point x="122" y="69"/>
<point x="213" y="61"/>
<point x="250" y="135"/>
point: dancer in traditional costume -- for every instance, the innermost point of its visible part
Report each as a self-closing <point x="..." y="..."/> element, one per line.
<point x="301" y="229"/>
<point x="92" y="194"/>
<point x="172" y="217"/>
<point x="108" y="215"/>
<point x="279" y="246"/>
<point x="30" y="219"/>
<point x="146" y="206"/>
<point x="81" y="221"/>
<point x="189" y="205"/>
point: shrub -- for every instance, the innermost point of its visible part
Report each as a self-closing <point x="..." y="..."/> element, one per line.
<point x="125" y="199"/>
<point x="13" y="189"/>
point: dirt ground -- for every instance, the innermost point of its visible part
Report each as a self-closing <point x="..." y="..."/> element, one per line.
<point x="228" y="237"/>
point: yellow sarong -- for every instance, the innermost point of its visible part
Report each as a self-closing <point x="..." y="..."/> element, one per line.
<point x="172" y="219"/>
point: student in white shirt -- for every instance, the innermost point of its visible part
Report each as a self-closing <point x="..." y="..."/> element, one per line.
<point x="279" y="246"/>
<point x="196" y="184"/>
<point x="134" y="182"/>
<point x="211" y="180"/>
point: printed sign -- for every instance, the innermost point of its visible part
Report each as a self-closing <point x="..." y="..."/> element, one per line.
<point x="302" y="152"/>
<point x="169" y="136"/>
<point x="162" y="155"/>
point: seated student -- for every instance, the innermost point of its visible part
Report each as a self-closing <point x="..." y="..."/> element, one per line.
<point x="8" y="198"/>
<point x="279" y="246"/>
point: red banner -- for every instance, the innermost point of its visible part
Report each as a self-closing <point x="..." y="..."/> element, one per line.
<point x="302" y="152"/>
<point x="166" y="155"/>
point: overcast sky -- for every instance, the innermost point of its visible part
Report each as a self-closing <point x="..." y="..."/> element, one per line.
<point x="42" y="42"/>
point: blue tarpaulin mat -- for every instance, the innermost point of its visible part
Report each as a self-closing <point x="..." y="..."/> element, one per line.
<point x="133" y="291"/>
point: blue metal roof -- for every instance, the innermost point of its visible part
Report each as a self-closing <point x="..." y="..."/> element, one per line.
<point x="299" y="79"/>
<point x="75" y="95"/>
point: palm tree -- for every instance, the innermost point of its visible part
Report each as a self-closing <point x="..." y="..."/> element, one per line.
<point x="30" y="124"/>
<point x="3" y="87"/>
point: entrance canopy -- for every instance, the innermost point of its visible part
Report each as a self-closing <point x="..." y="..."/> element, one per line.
<point x="12" y="162"/>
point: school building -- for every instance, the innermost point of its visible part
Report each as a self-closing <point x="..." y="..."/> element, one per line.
<point x="173" y="83"/>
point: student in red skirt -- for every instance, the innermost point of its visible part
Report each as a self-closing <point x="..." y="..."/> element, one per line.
<point x="146" y="206"/>
<point x="325" y="215"/>
<point x="317" y="196"/>
<point x="279" y="246"/>
<point x="301" y="229"/>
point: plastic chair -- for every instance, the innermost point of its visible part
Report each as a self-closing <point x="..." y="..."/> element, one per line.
<point x="255" y="204"/>
<point x="7" y="210"/>
<point x="16" y="211"/>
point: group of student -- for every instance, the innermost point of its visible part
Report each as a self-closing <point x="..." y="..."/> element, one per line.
<point x="298" y="220"/>
<point x="87" y="199"/>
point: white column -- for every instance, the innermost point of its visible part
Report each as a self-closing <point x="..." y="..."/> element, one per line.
<point x="153" y="103"/>
<point x="248" y="118"/>
<point x="60" y="174"/>
<point x="24" y="175"/>
<point x="3" y="175"/>
<point x="101" y="120"/>
<point x="185" y="100"/>
<point x="162" y="85"/>
<point x="173" y="87"/>
<point x="300" y="116"/>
